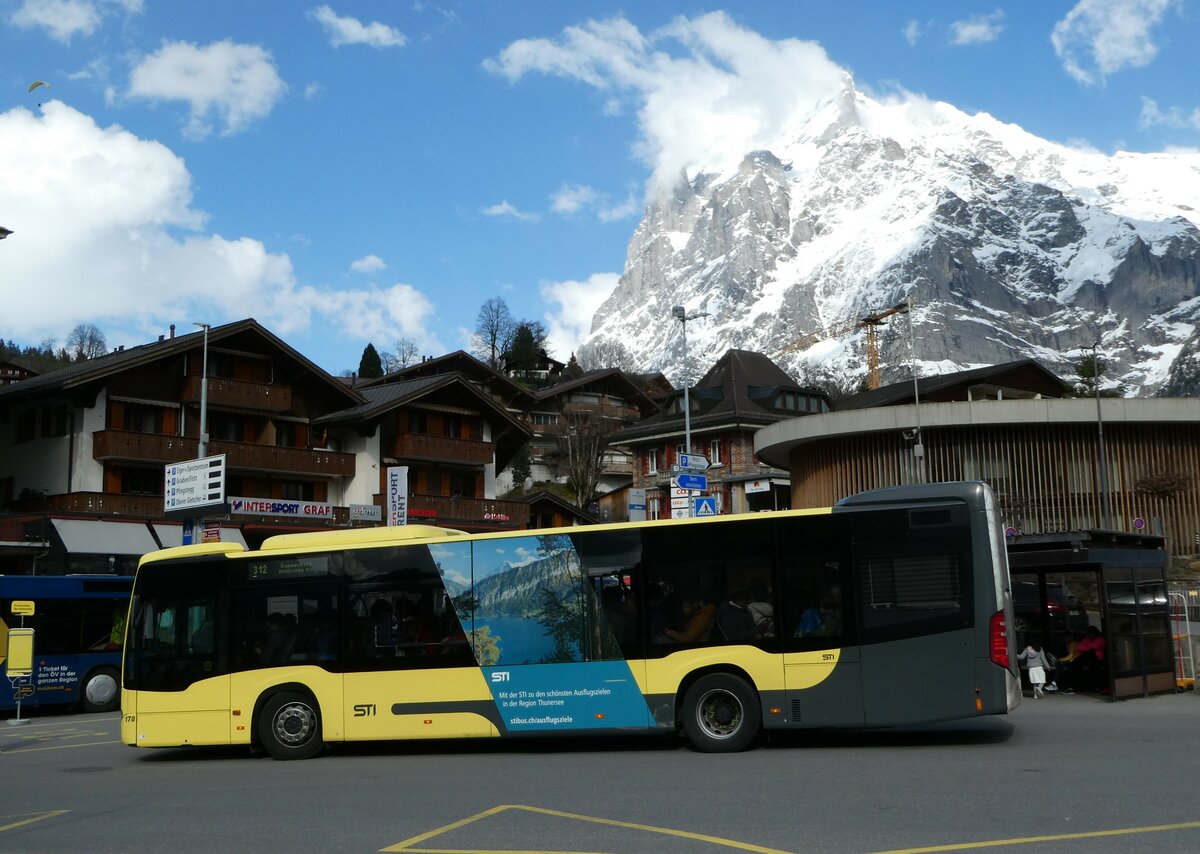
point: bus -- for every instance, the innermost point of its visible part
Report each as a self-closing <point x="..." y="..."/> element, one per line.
<point x="891" y="608"/>
<point x="79" y="627"/>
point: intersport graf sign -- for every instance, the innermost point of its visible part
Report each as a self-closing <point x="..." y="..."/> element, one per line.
<point x="274" y="507"/>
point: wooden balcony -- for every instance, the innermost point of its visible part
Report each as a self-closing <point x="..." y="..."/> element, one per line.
<point x="260" y="397"/>
<point x="105" y="504"/>
<point x="468" y="512"/>
<point x="418" y="446"/>
<point x="124" y="445"/>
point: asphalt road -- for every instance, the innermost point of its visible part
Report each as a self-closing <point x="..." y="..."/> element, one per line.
<point x="1060" y="774"/>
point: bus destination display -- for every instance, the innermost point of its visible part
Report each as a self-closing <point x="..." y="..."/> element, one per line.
<point x="315" y="566"/>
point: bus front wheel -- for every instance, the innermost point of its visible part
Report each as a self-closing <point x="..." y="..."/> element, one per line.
<point x="721" y="713"/>
<point x="101" y="693"/>
<point x="289" y="726"/>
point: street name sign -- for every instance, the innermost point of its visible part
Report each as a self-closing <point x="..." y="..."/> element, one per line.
<point x="194" y="485"/>
<point x="697" y="482"/>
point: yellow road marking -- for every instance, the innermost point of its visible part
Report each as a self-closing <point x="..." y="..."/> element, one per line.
<point x="1059" y="837"/>
<point x="407" y="845"/>
<point x="58" y="747"/>
<point x="36" y="817"/>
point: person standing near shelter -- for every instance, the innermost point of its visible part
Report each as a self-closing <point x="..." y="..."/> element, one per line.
<point x="1035" y="657"/>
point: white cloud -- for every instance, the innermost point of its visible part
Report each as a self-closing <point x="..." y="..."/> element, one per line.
<point x="61" y="19"/>
<point x="573" y="304"/>
<point x="622" y="210"/>
<point x="723" y="90"/>
<point x="343" y="31"/>
<point x="105" y="233"/>
<point x="978" y="29"/>
<point x="504" y="209"/>
<point x="1174" y="117"/>
<point x="912" y="33"/>
<point x="368" y="264"/>
<point x="236" y="82"/>
<point x="1100" y="37"/>
<point x="570" y="198"/>
<point x="312" y="90"/>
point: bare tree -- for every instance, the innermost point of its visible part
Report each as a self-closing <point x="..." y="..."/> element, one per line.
<point x="86" y="341"/>
<point x="494" y="328"/>
<point x="607" y="353"/>
<point x="405" y="354"/>
<point x="582" y="445"/>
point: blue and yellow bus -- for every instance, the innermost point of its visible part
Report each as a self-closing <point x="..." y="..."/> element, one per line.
<point x="891" y="608"/>
<point x="79" y="626"/>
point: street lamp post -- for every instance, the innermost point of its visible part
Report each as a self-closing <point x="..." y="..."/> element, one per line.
<point x="919" y="446"/>
<point x="1104" y="498"/>
<point x="680" y="314"/>
<point x="196" y="523"/>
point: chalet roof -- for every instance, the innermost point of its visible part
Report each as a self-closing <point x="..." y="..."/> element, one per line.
<point x="613" y="379"/>
<point x="509" y="433"/>
<point x="1024" y="375"/>
<point x="23" y="362"/>
<point x="460" y="361"/>
<point x="548" y="497"/>
<point x="740" y="388"/>
<point x="97" y="370"/>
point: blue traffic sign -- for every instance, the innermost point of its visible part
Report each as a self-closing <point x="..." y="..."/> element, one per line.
<point x="697" y="482"/>
<point x="705" y="506"/>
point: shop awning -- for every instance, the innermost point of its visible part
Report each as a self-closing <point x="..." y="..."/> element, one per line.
<point x="92" y="536"/>
<point x="172" y="535"/>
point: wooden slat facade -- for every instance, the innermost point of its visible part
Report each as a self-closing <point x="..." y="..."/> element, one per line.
<point x="1045" y="476"/>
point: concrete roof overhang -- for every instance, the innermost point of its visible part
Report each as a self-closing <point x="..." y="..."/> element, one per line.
<point x="774" y="443"/>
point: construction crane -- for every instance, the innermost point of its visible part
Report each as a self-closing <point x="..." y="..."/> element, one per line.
<point x="869" y="323"/>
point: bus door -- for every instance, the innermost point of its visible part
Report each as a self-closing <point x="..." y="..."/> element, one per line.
<point x="822" y="669"/>
<point x="913" y="591"/>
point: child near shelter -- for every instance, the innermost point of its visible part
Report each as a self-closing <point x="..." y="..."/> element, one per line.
<point x="1038" y="662"/>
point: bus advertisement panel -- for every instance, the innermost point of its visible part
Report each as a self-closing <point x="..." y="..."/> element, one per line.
<point x="78" y="623"/>
<point x="717" y="628"/>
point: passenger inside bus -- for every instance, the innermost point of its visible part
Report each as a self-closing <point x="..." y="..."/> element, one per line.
<point x="696" y="616"/>
<point x="734" y="620"/>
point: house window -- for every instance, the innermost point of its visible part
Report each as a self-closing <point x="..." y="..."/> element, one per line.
<point x="714" y="452"/>
<point x="54" y="420"/>
<point x="141" y="481"/>
<point x="652" y="462"/>
<point x="540" y="418"/>
<point x="462" y="485"/>
<point x="297" y="490"/>
<point x="452" y="426"/>
<point x="285" y="434"/>
<point x="417" y="423"/>
<point x="654" y="507"/>
<point x="142" y="419"/>
<point x="681" y="448"/>
<point x="224" y="427"/>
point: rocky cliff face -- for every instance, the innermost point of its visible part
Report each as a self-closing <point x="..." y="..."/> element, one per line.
<point x="1009" y="246"/>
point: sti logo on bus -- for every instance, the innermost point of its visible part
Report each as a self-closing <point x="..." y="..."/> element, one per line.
<point x="362" y="710"/>
<point x="500" y="676"/>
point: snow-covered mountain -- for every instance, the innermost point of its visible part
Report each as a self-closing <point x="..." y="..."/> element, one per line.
<point x="1007" y="244"/>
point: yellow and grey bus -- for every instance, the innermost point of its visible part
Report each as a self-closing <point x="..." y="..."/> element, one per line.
<point x="891" y="608"/>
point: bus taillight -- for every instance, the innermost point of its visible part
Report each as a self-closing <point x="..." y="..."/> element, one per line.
<point x="998" y="636"/>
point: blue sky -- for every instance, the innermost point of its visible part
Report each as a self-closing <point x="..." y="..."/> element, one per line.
<point x="370" y="171"/>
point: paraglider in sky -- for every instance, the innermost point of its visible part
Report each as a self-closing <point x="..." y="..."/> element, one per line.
<point x="37" y="83"/>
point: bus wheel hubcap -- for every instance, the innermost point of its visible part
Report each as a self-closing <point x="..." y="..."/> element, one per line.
<point x="294" y="723"/>
<point x="719" y="713"/>
<point x="101" y="689"/>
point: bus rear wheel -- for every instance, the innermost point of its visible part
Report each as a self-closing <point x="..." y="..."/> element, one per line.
<point x="721" y="713"/>
<point x="289" y="726"/>
<point x="101" y="691"/>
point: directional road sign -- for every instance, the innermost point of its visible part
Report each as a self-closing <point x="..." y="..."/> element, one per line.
<point x="705" y="506"/>
<point x="194" y="485"/>
<point x="693" y="462"/>
<point x="697" y="482"/>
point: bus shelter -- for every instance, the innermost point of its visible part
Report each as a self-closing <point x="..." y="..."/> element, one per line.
<point x="1115" y="581"/>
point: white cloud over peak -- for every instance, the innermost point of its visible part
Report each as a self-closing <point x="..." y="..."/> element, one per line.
<point x="504" y="209"/>
<point x="572" y="306"/>
<point x="570" y="198"/>
<point x="706" y="89"/>
<point x="1173" y="117"/>
<point x="346" y="30"/>
<point x="978" y="29"/>
<point x="237" y="83"/>
<point x="62" y="19"/>
<point x="1100" y="37"/>
<point x="368" y="264"/>
<point x="140" y="256"/>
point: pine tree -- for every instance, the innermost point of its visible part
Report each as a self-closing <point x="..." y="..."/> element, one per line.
<point x="370" y="366"/>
